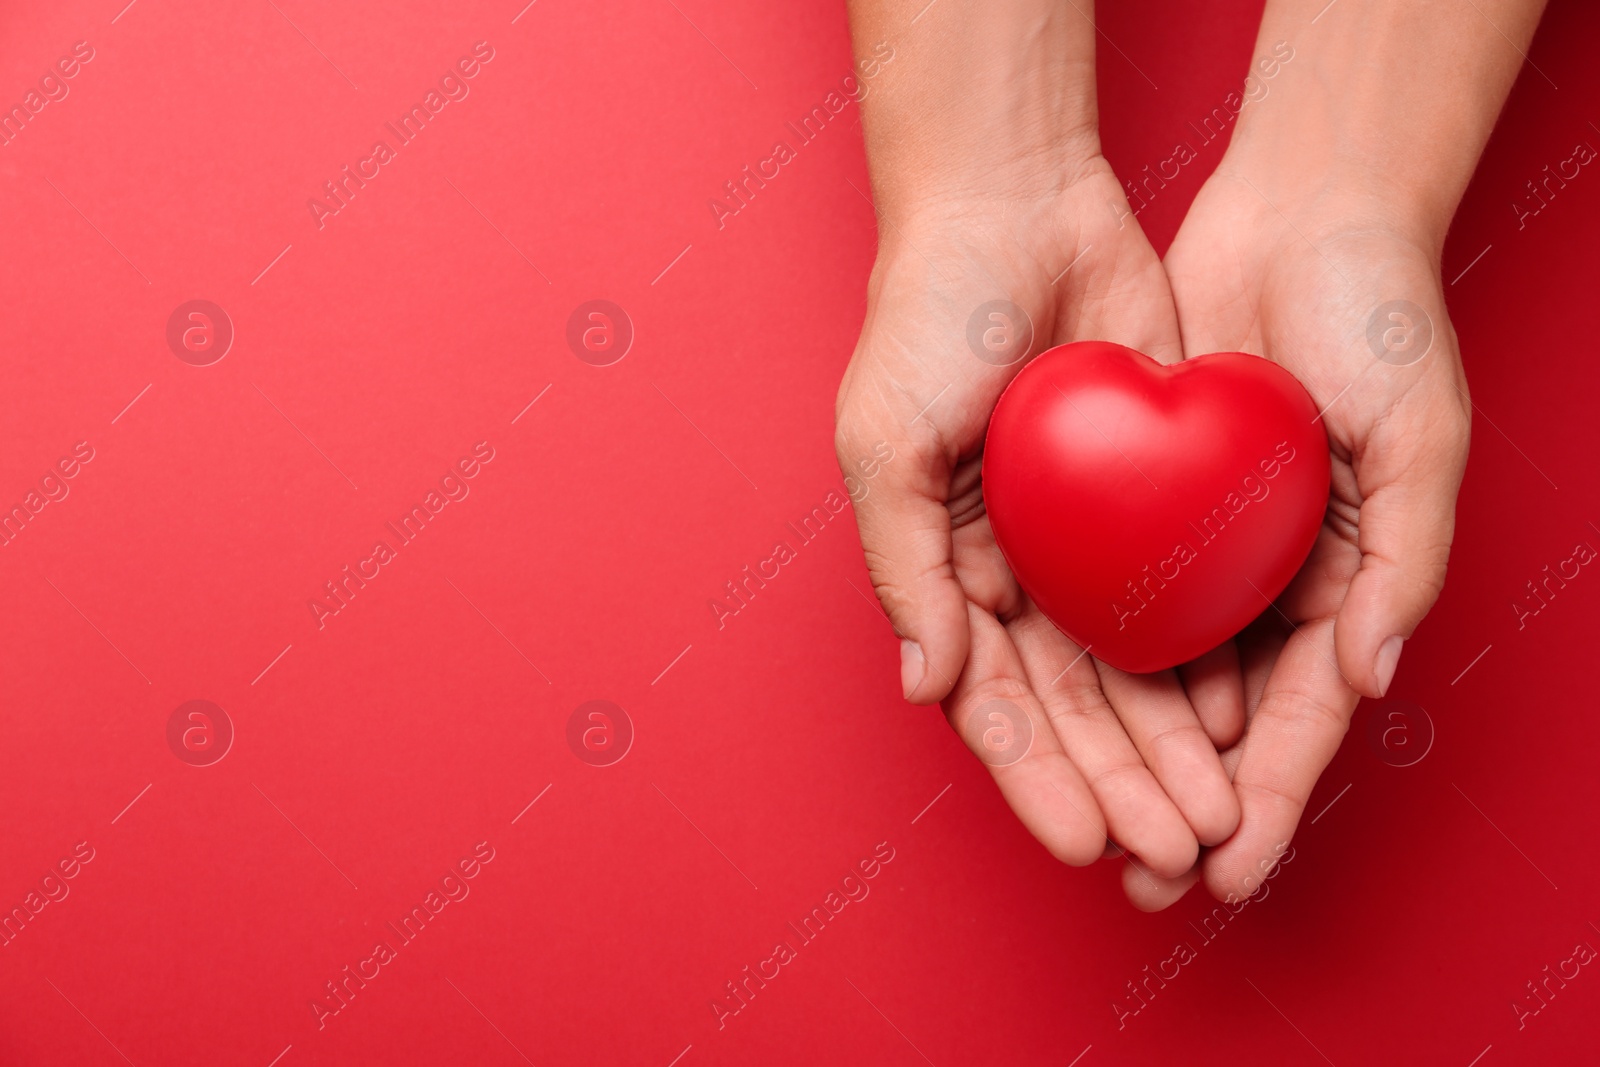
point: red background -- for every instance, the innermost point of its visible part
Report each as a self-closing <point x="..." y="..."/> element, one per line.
<point x="775" y="752"/>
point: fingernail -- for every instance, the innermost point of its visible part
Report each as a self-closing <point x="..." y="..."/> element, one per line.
<point x="912" y="667"/>
<point x="1387" y="659"/>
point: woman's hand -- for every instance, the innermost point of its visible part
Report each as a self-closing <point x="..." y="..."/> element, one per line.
<point x="1317" y="244"/>
<point x="1002" y="231"/>
<point x="1345" y="294"/>
<point x="962" y="293"/>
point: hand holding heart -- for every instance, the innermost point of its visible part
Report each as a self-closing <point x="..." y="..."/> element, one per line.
<point x="1319" y="515"/>
<point x="1396" y="413"/>
<point x="1104" y="752"/>
<point x="1140" y="750"/>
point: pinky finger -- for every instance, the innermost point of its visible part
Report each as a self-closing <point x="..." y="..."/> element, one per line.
<point x="1216" y="689"/>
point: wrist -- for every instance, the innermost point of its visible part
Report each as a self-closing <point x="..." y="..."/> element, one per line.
<point x="1322" y="182"/>
<point x="1028" y="179"/>
<point x="985" y="107"/>
<point x="1026" y="226"/>
<point x="1350" y="112"/>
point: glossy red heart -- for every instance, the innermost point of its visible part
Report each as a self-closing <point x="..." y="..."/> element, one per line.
<point x="1153" y="511"/>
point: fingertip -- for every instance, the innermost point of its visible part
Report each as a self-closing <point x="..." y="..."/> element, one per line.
<point x="1217" y="818"/>
<point x="1367" y="660"/>
<point x="1211" y="806"/>
<point x="932" y="685"/>
<point x="932" y="661"/>
<point x="1239" y="871"/>
<point x="1223" y="878"/>
<point x="1075" y="846"/>
<point x="935" y="642"/>
<point x="1406" y="531"/>
<point x="1150" y="893"/>
<point x="1385" y="663"/>
<point x="913" y="667"/>
<point x="1156" y="832"/>
<point x="1079" y="838"/>
<point x="1058" y="809"/>
<point x="1172" y="860"/>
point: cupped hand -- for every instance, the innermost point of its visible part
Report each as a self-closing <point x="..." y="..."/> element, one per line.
<point x="963" y="291"/>
<point x="1345" y="293"/>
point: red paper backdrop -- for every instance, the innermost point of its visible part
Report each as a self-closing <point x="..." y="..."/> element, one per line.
<point x="767" y="758"/>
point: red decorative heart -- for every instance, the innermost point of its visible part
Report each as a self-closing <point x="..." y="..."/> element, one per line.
<point x="1153" y="511"/>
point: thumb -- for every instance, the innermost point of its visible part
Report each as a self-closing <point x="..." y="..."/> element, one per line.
<point x="1409" y="473"/>
<point x="899" y="485"/>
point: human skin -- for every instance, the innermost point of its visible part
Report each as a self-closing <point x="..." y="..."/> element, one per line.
<point x="1333" y="198"/>
<point x="989" y="184"/>
<point x="1331" y="203"/>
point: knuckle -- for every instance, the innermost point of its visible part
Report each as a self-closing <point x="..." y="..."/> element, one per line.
<point x="1296" y="708"/>
<point x="1011" y="690"/>
<point x="1071" y="701"/>
<point x="1118" y="780"/>
<point x="889" y="592"/>
<point x="1075" y="848"/>
<point x="1276" y="795"/>
<point x="1002" y="737"/>
<point x="899" y="587"/>
<point x="850" y="431"/>
<point x="1177" y="736"/>
<point x="1429" y="583"/>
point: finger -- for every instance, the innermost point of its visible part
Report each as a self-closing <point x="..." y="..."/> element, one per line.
<point x="996" y="713"/>
<point x="905" y="533"/>
<point x="1409" y="472"/>
<point x="1304" y="713"/>
<point x="1258" y="658"/>
<point x="1259" y="647"/>
<point x="1148" y="891"/>
<point x="1137" y="812"/>
<point x="982" y="570"/>
<point x="1164" y="728"/>
<point x="1215" y="687"/>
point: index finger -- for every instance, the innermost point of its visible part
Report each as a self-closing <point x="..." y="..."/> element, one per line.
<point x="1304" y="713"/>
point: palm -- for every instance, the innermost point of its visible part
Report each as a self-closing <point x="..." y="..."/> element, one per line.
<point x="1355" y="312"/>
